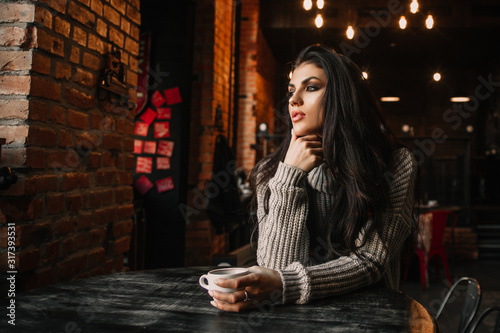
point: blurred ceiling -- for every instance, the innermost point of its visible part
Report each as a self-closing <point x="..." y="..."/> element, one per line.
<point x="466" y="33"/>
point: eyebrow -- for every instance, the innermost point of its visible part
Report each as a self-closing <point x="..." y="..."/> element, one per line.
<point x="305" y="80"/>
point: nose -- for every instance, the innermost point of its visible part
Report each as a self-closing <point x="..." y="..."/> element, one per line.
<point x="295" y="99"/>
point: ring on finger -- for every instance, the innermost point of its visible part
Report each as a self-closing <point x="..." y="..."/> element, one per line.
<point x="246" y="296"/>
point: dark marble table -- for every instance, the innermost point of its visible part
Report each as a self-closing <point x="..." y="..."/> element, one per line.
<point x="170" y="300"/>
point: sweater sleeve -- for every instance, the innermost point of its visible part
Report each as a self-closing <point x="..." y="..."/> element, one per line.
<point x="283" y="236"/>
<point x="302" y="283"/>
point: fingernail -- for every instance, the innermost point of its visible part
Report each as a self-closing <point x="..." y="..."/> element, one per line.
<point x="213" y="303"/>
<point x="211" y="293"/>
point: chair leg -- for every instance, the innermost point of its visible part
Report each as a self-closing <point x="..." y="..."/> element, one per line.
<point x="446" y="270"/>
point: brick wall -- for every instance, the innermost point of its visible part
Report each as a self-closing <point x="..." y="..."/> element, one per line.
<point x="72" y="205"/>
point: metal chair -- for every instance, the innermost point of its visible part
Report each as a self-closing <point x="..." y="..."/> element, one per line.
<point x="477" y="322"/>
<point x="471" y="302"/>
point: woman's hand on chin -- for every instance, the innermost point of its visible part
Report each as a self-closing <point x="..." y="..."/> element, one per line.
<point x="305" y="152"/>
<point x="261" y="285"/>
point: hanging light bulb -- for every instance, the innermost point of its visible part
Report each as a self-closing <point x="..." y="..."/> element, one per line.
<point x="365" y="75"/>
<point x="402" y="22"/>
<point x="290" y="75"/>
<point x="319" y="21"/>
<point x="308" y="4"/>
<point x="350" y="32"/>
<point x="429" y="23"/>
<point x="320" y="4"/>
<point x="414" y="6"/>
<point x="437" y="77"/>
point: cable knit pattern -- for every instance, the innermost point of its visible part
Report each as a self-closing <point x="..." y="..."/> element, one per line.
<point x="283" y="242"/>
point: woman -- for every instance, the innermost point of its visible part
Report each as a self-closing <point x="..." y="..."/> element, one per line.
<point x="334" y="201"/>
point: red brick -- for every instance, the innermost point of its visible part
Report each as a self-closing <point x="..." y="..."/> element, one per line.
<point x="112" y="15"/>
<point x="77" y="98"/>
<point x="41" y="63"/>
<point x="57" y="114"/>
<point x="85" y="2"/>
<point x="62" y="27"/>
<point x="125" y="26"/>
<point x="74" y="180"/>
<point x="102" y="28"/>
<point x="128" y="144"/>
<point x="14" y="158"/>
<point x="121" y="245"/>
<point x="84" y="78"/>
<point x="81" y="241"/>
<point x="108" y="159"/>
<point x="130" y="162"/>
<point x="81" y="14"/>
<point x="42" y="136"/>
<point x="15" y="60"/>
<point x="96" y="6"/>
<point x="129" y="193"/>
<point x="96" y="257"/>
<point x="99" y="270"/>
<point x="118" y="264"/>
<point x="14" y="109"/>
<point x="66" y="225"/>
<point x="75" y="55"/>
<point x="135" y="32"/>
<point x="85" y="219"/>
<point x="62" y="159"/>
<point x="125" y="211"/>
<point x="116" y="37"/>
<point x="91" y="61"/>
<point x="41" y="184"/>
<point x="132" y="46"/>
<point x="15" y="135"/>
<point x="65" y="138"/>
<point x="134" y="15"/>
<point x="34" y="234"/>
<point x="38" y="110"/>
<point x="74" y="202"/>
<point x="112" y="141"/>
<point x="16" y="12"/>
<point x="95" y="160"/>
<point x="35" y="158"/>
<point x="135" y="3"/>
<point x="58" y="5"/>
<point x="43" y="16"/>
<point x="97" y="236"/>
<point x="78" y="119"/>
<point x="14" y="85"/>
<point x="44" y="88"/>
<point x="50" y="251"/>
<point x="50" y="43"/>
<point x="79" y="36"/>
<point x="63" y="71"/>
<point x="55" y="203"/>
<point x="28" y="260"/>
<point x="71" y="266"/>
<point x="96" y="43"/>
<point x="122" y="228"/>
<point x="105" y="215"/>
<point x="12" y="36"/>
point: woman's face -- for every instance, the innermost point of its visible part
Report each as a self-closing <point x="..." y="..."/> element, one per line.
<point x="306" y="89"/>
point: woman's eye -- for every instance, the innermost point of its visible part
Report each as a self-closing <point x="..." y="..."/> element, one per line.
<point x="290" y="93"/>
<point x="311" y="88"/>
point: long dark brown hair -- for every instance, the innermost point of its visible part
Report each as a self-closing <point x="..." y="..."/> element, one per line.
<point x="357" y="148"/>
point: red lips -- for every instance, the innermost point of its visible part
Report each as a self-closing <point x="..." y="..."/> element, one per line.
<point x="297" y="115"/>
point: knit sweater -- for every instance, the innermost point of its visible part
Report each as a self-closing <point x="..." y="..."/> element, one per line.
<point x="284" y="244"/>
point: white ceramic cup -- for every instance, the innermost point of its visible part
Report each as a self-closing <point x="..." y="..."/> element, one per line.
<point x="221" y="273"/>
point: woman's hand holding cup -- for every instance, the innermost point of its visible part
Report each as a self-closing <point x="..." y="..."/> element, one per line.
<point x="236" y="294"/>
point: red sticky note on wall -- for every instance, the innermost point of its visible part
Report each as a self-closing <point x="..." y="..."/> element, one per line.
<point x="165" y="148"/>
<point x="138" y="146"/>
<point x="141" y="128"/>
<point x="149" y="147"/>
<point x="157" y="99"/>
<point x="163" y="163"/>
<point x="173" y="96"/>
<point x="148" y="116"/>
<point x="165" y="184"/>
<point x="162" y="129"/>
<point x="144" y="165"/>
<point x="164" y="113"/>
<point x="143" y="185"/>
